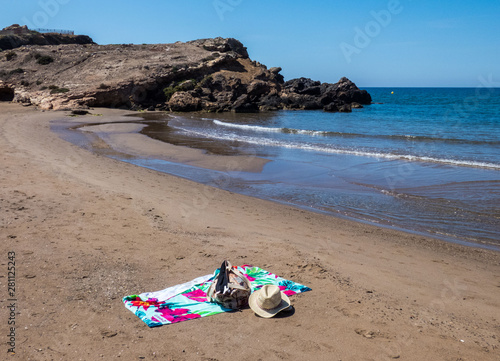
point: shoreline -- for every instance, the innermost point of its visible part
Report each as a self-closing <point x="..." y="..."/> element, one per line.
<point x="89" y="230"/>
<point x="125" y="138"/>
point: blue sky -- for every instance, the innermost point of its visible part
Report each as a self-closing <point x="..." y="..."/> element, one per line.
<point x="374" y="43"/>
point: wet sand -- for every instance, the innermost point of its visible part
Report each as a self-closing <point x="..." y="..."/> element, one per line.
<point x="87" y="230"/>
<point x="125" y="138"/>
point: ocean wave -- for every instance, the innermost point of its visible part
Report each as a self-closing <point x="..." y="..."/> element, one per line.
<point x="254" y="128"/>
<point x="257" y="128"/>
<point x="422" y="138"/>
<point x="330" y="149"/>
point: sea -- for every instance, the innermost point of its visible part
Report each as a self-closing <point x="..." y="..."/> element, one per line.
<point x="422" y="160"/>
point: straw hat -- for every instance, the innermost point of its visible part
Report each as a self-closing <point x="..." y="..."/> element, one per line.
<point x="268" y="301"/>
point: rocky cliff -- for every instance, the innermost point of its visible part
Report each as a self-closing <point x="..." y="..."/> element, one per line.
<point x="207" y="74"/>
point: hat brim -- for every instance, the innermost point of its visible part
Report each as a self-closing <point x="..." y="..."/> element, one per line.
<point x="252" y="302"/>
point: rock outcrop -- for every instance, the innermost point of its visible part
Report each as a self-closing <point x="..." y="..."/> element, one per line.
<point x="305" y="93"/>
<point x="214" y="75"/>
<point x="16" y="36"/>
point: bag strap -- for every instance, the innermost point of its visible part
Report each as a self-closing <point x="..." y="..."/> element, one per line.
<point x="220" y="280"/>
<point x="223" y="277"/>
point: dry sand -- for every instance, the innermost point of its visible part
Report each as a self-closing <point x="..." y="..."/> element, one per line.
<point x="87" y="230"/>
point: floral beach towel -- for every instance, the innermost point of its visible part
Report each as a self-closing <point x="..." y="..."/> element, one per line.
<point x="189" y="300"/>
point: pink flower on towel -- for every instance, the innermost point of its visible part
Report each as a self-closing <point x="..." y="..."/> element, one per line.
<point x="250" y="278"/>
<point x="175" y="315"/>
<point x="196" y="295"/>
<point x="145" y="304"/>
<point x="288" y="293"/>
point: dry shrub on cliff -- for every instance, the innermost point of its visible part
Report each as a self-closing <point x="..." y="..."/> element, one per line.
<point x="54" y="89"/>
<point x="171" y="90"/>
<point x="10" y="55"/>
<point x="44" y="60"/>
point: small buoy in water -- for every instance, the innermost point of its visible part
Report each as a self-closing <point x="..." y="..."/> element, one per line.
<point x="392" y="92"/>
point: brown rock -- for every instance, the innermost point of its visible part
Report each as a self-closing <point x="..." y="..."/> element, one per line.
<point x="184" y="102"/>
<point x="258" y="88"/>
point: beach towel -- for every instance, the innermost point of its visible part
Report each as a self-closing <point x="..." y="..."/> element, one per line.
<point x="188" y="301"/>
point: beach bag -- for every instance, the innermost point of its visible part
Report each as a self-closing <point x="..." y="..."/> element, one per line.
<point x="230" y="288"/>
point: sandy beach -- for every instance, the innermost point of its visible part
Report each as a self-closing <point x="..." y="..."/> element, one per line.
<point x="88" y="230"/>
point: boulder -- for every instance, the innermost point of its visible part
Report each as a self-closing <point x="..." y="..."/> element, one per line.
<point x="22" y="97"/>
<point x="347" y="91"/>
<point x="338" y="106"/>
<point x="345" y="108"/>
<point x="184" y="102"/>
<point x="258" y="88"/>
<point x="312" y="105"/>
<point x="187" y="85"/>
<point x="294" y="100"/>
<point x="300" y="85"/>
<point x="244" y="105"/>
<point x="332" y="107"/>
<point x="270" y="102"/>
<point x="222" y="45"/>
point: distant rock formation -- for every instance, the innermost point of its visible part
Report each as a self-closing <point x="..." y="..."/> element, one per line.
<point x="15" y="36"/>
<point x="305" y="93"/>
<point x="15" y="29"/>
<point x="214" y="75"/>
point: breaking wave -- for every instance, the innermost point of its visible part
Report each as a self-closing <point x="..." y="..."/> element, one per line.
<point x="319" y="133"/>
<point x="260" y="141"/>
